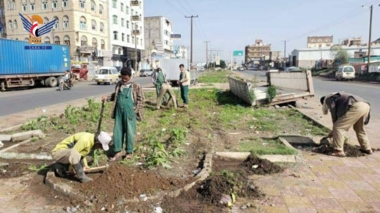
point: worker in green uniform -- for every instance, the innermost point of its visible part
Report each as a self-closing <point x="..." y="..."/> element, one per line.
<point x="128" y="101"/>
<point x="158" y="79"/>
<point x="184" y="83"/>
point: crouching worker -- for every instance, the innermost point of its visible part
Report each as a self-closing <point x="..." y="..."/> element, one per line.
<point x="347" y="110"/>
<point x="73" y="151"/>
<point x="166" y="88"/>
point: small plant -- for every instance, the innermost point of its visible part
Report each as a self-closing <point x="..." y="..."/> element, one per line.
<point x="35" y="168"/>
<point x="271" y="93"/>
<point x="252" y="95"/>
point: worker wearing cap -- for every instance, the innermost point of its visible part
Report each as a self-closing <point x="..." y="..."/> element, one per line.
<point x="158" y="79"/>
<point x="74" y="149"/>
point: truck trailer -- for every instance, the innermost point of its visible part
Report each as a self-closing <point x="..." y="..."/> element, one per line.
<point x="170" y="67"/>
<point x="26" y="65"/>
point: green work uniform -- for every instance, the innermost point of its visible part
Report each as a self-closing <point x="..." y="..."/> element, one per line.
<point x="160" y="80"/>
<point x="125" y="121"/>
<point x="184" y="91"/>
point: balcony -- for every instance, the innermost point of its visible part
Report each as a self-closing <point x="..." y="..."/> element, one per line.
<point x="136" y="32"/>
<point x="135" y="3"/>
<point x="136" y="18"/>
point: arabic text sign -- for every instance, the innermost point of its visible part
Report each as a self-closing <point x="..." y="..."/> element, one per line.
<point x="238" y="53"/>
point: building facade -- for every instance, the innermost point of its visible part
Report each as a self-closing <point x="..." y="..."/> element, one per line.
<point x="355" y="41"/>
<point x="126" y="34"/>
<point x="158" y="30"/>
<point x="320" y="41"/>
<point x="257" y="51"/>
<point x="3" y="26"/>
<point x="82" y="25"/>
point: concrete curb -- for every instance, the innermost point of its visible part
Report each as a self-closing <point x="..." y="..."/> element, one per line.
<point x="61" y="188"/>
<point x="25" y="156"/>
<point x="310" y="118"/>
<point x="271" y="158"/>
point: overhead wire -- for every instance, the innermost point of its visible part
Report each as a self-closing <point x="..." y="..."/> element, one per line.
<point x="196" y="26"/>
<point x="198" y="20"/>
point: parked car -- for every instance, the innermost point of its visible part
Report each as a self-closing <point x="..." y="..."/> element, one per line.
<point x="107" y="75"/>
<point x="293" y="69"/>
<point x="241" y="69"/>
<point x="146" y="72"/>
<point x="345" y="72"/>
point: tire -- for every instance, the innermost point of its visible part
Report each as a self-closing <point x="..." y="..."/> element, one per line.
<point x="98" y="83"/>
<point x="51" y="82"/>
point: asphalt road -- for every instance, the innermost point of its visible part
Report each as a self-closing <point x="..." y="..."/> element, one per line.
<point x="22" y="100"/>
<point x="323" y="86"/>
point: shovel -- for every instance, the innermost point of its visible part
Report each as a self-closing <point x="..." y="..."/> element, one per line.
<point x="101" y="117"/>
<point x="179" y="87"/>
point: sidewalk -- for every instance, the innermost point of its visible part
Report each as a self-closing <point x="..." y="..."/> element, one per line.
<point x="326" y="184"/>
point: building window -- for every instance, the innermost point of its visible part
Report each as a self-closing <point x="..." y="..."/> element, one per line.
<point x="141" y="41"/>
<point x="114" y="19"/>
<point x="327" y="40"/>
<point x="100" y="9"/>
<point x="140" y="29"/>
<point x="83" y="41"/>
<point x="26" y="39"/>
<point x="54" y="4"/>
<point x="44" y="4"/>
<point x="10" y="24"/>
<point x="122" y="37"/>
<point x="31" y="6"/>
<point x="83" y="23"/>
<point x="24" y="7"/>
<point x="122" y="22"/>
<point x="114" y="4"/>
<point x="82" y="3"/>
<point x="128" y="38"/>
<point x="56" y="22"/>
<point x="127" y="9"/>
<point x="65" y="22"/>
<point x="131" y="11"/>
<point x="94" y="42"/>
<point x="102" y="44"/>
<point x="57" y="40"/>
<point x="66" y="40"/>
<point x="128" y="24"/>
<point x="115" y="35"/>
<point x="93" y="6"/>
<point x="93" y="24"/>
<point x="46" y="20"/>
<point x="122" y="7"/>
<point x="64" y="3"/>
<point x="312" y="40"/>
<point x="101" y="27"/>
<point x="133" y="39"/>
<point x="319" y="40"/>
<point x="47" y="40"/>
<point x="13" y="4"/>
<point x="15" y="24"/>
<point x="166" y="42"/>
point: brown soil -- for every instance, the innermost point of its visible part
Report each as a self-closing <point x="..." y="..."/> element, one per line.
<point x="227" y="177"/>
<point x="14" y="170"/>
<point x="259" y="166"/>
<point x="120" y="183"/>
<point x="351" y="151"/>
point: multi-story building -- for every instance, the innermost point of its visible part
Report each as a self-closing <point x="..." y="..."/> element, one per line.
<point x="80" y="24"/>
<point x="320" y="41"/>
<point x="158" y="30"/>
<point x="257" y="51"/>
<point x="126" y="34"/>
<point x="356" y="41"/>
<point x="3" y="26"/>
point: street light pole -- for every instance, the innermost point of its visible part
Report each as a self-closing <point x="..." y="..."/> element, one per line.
<point x="369" y="40"/>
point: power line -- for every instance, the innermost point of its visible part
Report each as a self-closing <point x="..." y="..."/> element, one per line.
<point x="200" y="24"/>
<point x="200" y="32"/>
<point x="346" y="17"/>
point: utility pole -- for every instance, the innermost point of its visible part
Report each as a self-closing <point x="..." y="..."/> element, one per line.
<point x="284" y="55"/>
<point x="191" y="41"/>
<point x="207" y="53"/>
<point x="370" y="39"/>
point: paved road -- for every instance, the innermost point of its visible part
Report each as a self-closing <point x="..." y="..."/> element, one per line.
<point x="323" y="86"/>
<point x="18" y="101"/>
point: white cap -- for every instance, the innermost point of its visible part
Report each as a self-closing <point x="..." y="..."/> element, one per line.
<point x="104" y="138"/>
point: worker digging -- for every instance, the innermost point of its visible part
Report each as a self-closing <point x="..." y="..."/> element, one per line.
<point x="166" y="89"/>
<point x="347" y="110"/>
<point x="128" y="101"/>
<point x="73" y="151"/>
<point x="158" y="79"/>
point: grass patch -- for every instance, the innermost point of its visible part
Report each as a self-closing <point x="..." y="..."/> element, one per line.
<point x="260" y="146"/>
<point x="220" y="76"/>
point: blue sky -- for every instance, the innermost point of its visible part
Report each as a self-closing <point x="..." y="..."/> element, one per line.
<point x="232" y="24"/>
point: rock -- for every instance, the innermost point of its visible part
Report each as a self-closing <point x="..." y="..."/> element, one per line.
<point x="255" y="166"/>
<point x="243" y="207"/>
<point x="5" y="138"/>
<point x="73" y="210"/>
<point x="271" y="204"/>
<point x="277" y="106"/>
<point x="249" y="205"/>
<point x="295" y="175"/>
<point x="1" y="144"/>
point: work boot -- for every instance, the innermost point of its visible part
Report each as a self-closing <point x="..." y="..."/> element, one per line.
<point x="60" y="170"/>
<point x="80" y="173"/>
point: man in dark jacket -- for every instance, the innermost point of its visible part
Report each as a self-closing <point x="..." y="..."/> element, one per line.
<point x="347" y="110"/>
<point x="128" y="101"/>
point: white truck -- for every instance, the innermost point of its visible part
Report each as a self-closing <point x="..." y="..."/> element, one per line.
<point x="170" y="67"/>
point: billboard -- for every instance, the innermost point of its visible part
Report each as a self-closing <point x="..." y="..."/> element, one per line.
<point x="217" y="60"/>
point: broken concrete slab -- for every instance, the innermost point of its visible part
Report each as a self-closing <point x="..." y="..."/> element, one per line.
<point x="25" y="156"/>
<point x="2" y="165"/>
<point x="21" y="136"/>
<point x="14" y="146"/>
<point x="6" y="138"/>
<point x="62" y="188"/>
<point x="233" y="155"/>
<point x="281" y="158"/>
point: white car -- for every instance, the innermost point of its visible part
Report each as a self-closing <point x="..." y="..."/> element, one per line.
<point x="345" y="72"/>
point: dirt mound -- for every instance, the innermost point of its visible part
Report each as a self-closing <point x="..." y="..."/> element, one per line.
<point x="351" y="151"/>
<point x="120" y="183"/>
<point x="259" y="166"/>
<point x="14" y="170"/>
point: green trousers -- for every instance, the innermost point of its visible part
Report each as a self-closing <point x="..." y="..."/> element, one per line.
<point x="125" y="122"/>
<point x="185" y="94"/>
<point x="158" y="89"/>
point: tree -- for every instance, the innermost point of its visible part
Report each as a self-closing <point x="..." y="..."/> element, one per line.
<point x="223" y="64"/>
<point x="340" y="55"/>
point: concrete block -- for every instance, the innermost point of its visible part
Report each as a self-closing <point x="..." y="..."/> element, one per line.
<point x="189" y="186"/>
<point x="21" y="136"/>
<point x="6" y="138"/>
<point x="234" y="155"/>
